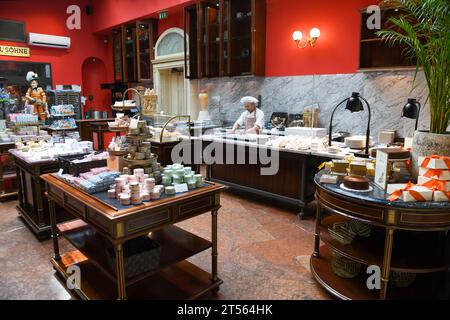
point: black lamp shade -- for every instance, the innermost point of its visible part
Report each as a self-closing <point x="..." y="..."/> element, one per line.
<point x="354" y="103"/>
<point x="411" y="109"/>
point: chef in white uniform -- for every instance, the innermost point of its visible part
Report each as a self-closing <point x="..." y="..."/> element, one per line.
<point x="252" y="119"/>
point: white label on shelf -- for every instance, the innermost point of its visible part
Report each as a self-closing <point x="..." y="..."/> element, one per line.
<point x="180" y="188"/>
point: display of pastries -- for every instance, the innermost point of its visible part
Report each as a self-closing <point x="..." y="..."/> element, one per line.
<point x="358" y="168"/>
<point x="356" y="183"/>
<point x="393" y="153"/>
<point x="339" y="166"/>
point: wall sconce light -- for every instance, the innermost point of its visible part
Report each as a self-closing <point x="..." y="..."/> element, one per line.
<point x="314" y="34"/>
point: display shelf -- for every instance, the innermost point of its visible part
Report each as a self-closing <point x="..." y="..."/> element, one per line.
<point x="63" y="129"/>
<point x="182" y="281"/>
<point x="63" y="115"/>
<point x="409" y="255"/>
<point x="176" y="245"/>
<point x="426" y="286"/>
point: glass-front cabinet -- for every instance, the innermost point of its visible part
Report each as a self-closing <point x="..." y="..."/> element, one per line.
<point x="133" y="49"/>
<point x="129" y="52"/>
<point x="226" y="38"/>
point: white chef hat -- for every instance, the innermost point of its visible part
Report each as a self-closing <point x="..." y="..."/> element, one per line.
<point x="31" y="76"/>
<point x="249" y="99"/>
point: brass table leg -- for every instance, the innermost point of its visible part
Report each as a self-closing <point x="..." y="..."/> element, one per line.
<point x="386" y="262"/>
<point x="317" y="231"/>
<point x="55" y="235"/>
<point x="120" y="272"/>
<point x="214" y="253"/>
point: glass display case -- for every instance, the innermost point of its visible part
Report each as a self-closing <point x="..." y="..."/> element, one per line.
<point x="169" y="128"/>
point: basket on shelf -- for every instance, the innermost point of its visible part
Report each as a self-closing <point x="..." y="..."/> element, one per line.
<point x="342" y="233"/>
<point x="66" y="163"/>
<point x="140" y="255"/>
<point x="401" y="279"/>
<point x="344" y="267"/>
<point x="362" y="229"/>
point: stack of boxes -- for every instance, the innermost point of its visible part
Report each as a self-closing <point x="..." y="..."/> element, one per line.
<point x="434" y="174"/>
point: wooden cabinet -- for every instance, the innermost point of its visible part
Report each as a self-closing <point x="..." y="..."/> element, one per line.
<point x="375" y="53"/>
<point x="8" y="185"/>
<point x="226" y="38"/>
<point x="133" y="51"/>
<point x="117" y="55"/>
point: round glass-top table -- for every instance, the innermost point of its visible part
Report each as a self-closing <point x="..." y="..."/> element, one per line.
<point x="413" y="252"/>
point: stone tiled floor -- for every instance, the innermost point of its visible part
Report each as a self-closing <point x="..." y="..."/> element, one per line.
<point x="264" y="253"/>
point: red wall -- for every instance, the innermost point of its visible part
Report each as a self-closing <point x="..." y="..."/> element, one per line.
<point x="337" y="49"/>
<point x="49" y="17"/>
<point x="174" y="20"/>
<point x="110" y="13"/>
<point x="335" y="52"/>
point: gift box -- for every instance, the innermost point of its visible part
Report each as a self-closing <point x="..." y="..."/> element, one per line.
<point x="417" y="194"/>
<point x="438" y="174"/>
<point x="434" y="184"/>
<point x="435" y="162"/>
<point x="441" y="196"/>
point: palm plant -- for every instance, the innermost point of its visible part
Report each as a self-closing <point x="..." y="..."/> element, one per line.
<point x="423" y="29"/>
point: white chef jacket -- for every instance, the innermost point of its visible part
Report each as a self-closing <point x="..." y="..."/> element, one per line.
<point x="259" y="118"/>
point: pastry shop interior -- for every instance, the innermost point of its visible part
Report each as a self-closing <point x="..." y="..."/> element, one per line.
<point x="225" y="150"/>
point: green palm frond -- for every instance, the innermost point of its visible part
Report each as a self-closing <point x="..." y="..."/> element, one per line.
<point x="423" y="30"/>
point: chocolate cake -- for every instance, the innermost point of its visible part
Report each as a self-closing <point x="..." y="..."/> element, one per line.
<point x="356" y="183"/>
<point x="393" y="153"/>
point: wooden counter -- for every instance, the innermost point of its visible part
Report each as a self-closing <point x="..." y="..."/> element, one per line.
<point x="33" y="205"/>
<point x="292" y="184"/>
<point x="99" y="227"/>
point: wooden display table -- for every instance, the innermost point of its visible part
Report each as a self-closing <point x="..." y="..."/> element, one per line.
<point x="7" y="172"/>
<point x="84" y="127"/>
<point x="33" y="205"/>
<point x="100" y="226"/>
<point x="421" y="246"/>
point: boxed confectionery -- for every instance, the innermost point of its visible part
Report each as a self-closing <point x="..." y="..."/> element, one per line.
<point x="435" y="173"/>
<point x="417" y="194"/>
<point x="441" y="196"/>
<point x="435" y="162"/>
<point x="435" y="184"/>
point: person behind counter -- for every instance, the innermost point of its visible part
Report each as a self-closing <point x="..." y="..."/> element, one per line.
<point x="252" y="119"/>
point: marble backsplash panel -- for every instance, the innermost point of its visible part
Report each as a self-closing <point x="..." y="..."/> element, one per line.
<point x="387" y="93"/>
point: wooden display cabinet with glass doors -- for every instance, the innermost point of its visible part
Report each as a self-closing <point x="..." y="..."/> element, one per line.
<point x="133" y="51"/>
<point x="226" y="38"/>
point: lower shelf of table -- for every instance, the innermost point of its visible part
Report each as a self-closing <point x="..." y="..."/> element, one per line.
<point x="426" y="286"/>
<point x="181" y="281"/>
<point x="176" y="245"/>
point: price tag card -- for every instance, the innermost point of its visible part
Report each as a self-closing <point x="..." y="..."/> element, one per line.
<point x="180" y="188"/>
<point x="60" y="172"/>
<point x="408" y="143"/>
<point x="381" y="169"/>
